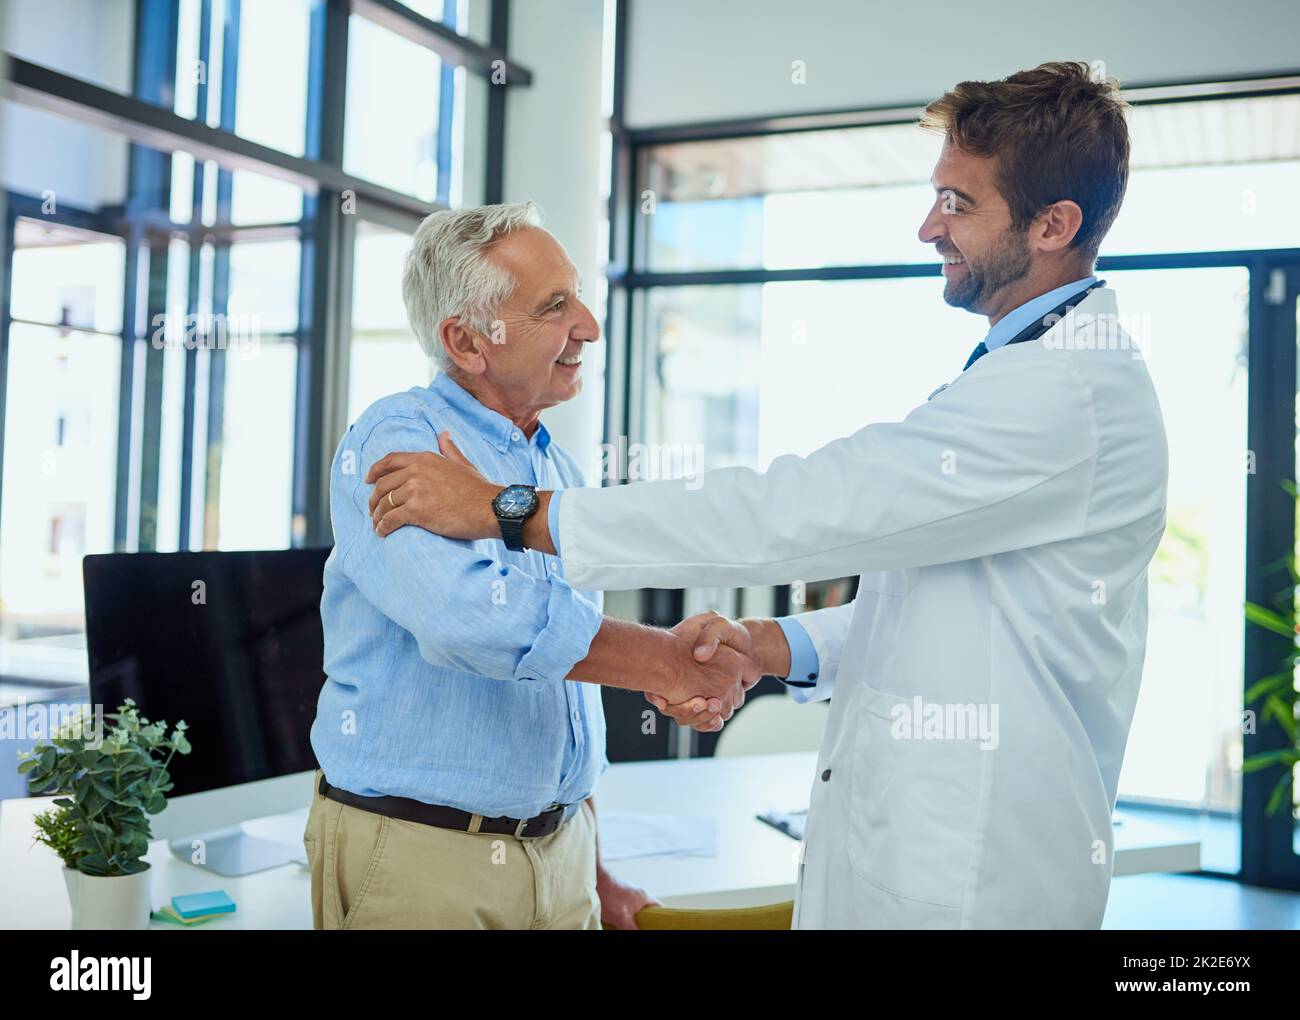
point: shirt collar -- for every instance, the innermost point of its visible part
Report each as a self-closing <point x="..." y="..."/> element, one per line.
<point x="1035" y="308"/>
<point x="497" y="428"/>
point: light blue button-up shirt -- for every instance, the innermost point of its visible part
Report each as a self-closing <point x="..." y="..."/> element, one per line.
<point x="446" y="659"/>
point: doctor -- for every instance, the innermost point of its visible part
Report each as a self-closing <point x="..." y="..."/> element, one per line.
<point x="985" y="677"/>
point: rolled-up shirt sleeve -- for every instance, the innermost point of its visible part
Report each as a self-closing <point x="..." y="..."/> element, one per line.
<point x="466" y="609"/>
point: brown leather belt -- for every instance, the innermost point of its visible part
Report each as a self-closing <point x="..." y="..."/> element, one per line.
<point x="453" y="818"/>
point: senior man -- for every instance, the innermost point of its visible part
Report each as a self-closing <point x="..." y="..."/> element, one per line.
<point x="460" y="731"/>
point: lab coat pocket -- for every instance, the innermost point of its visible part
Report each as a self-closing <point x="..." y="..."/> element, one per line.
<point x="914" y="804"/>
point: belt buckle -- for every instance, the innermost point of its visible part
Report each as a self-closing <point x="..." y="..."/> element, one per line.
<point x="523" y="823"/>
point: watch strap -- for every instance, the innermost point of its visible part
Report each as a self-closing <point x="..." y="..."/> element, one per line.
<point x="512" y="532"/>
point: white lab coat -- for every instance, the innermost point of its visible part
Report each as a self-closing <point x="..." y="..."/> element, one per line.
<point x="1003" y="531"/>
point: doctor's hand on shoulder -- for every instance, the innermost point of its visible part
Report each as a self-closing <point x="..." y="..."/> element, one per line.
<point x="440" y="492"/>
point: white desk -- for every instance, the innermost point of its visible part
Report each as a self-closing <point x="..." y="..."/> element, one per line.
<point x="755" y="863"/>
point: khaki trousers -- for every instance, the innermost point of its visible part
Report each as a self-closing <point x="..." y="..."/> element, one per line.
<point x="372" y="871"/>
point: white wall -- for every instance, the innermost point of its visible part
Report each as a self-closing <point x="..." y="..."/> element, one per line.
<point x="692" y="61"/>
<point x="553" y="157"/>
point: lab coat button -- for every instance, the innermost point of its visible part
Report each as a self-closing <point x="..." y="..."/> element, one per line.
<point x="826" y="776"/>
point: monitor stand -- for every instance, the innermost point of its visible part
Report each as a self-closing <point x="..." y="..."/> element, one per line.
<point x="232" y="851"/>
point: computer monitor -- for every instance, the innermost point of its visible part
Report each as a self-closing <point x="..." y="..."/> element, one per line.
<point x="230" y="642"/>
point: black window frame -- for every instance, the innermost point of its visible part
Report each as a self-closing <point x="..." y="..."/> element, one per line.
<point x="324" y="229"/>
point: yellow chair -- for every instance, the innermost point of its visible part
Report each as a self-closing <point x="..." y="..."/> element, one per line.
<point x="770" y="917"/>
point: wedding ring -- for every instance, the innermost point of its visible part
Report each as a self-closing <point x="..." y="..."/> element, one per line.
<point x="390" y="499"/>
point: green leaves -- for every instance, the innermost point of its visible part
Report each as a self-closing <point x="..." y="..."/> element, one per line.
<point x="57" y="829"/>
<point x="1270" y="620"/>
<point x="1278" y="797"/>
<point x="1277" y="691"/>
<point x="100" y="825"/>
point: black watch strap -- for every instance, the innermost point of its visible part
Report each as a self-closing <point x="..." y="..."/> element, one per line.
<point x="512" y="532"/>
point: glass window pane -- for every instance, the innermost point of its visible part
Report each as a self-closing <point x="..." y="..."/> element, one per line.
<point x="849" y="196"/>
<point x="753" y="372"/>
<point x="95" y="40"/>
<point x="264" y="279"/>
<point x="61" y="411"/>
<point x="704" y="352"/>
<point x="63" y="276"/>
<point x="258" y="199"/>
<point x="469" y="140"/>
<point x="385" y="356"/>
<point x="274" y="41"/>
<point x="391" y="130"/>
<point x="60" y="459"/>
<point x="1238" y="206"/>
<point x="431" y="9"/>
<point x="254" y="494"/>
<point x="60" y="163"/>
<point x="856" y="196"/>
<point x="91" y="41"/>
<point x="1192" y="681"/>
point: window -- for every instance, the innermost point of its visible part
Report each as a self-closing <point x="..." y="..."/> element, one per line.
<point x="1185" y="744"/>
<point x="185" y="335"/>
<point x="385" y="357"/>
<point x="391" y="136"/>
<point x="60" y="417"/>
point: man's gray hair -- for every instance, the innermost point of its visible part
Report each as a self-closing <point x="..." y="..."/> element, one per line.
<point x="448" y="274"/>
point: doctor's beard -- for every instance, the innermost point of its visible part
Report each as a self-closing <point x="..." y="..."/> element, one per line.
<point x="1002" y="265"/>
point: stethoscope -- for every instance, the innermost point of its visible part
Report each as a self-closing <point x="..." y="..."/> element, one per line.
<point x="1039" y="327"/>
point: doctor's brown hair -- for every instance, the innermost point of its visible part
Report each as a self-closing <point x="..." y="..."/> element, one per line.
<point x="1056" y="133"/>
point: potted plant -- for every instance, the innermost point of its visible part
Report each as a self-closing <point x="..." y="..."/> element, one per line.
<point x="109" y="784"/>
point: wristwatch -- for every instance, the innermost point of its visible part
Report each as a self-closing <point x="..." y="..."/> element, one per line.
<point x="513" y="505"/>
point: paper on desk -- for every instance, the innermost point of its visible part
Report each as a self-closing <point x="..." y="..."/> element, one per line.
<point x="625" y="834"/>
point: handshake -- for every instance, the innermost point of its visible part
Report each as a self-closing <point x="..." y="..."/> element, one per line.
<point x="721" y="659"/>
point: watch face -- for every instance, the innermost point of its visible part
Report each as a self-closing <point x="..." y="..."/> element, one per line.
<point x="515" y="501"/>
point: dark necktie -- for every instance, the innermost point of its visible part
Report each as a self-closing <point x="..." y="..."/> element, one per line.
<point x="975" y="355"/>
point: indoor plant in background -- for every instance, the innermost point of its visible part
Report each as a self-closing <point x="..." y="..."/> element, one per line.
<point x="1276" y="692"/>
<point x="109" y="784"/>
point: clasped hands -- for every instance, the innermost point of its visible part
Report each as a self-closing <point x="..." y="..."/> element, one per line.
<point x="723" y="665"/>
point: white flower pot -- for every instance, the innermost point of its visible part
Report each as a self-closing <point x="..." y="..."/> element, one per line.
<point x="113" y="903"/>
<point x="70" y="876"/>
